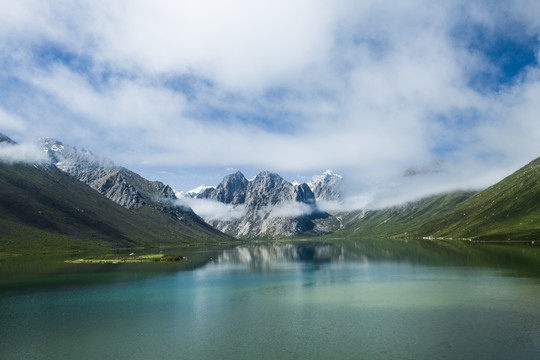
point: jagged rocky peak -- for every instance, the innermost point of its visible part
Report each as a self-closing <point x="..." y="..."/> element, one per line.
<point x="6" y="139"/>
<point x="231" y="190"/>
<point x="83" y="164"/>
<point x="304" y="194"/>
<point x="68" y="156"/>
<point x="194" y="193"/>
<point x="328" y="186"/>
<point x="270" y="189"/>
<point x="265" y="189"/>
<point x="268" y="206"/>
<point x="117" y="183"/>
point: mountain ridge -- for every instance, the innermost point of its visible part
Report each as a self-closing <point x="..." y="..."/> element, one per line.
<point x="43" y="209"/>
<point x="56" y="210"/>
<point x="506" y="211"/>
<point x="268" y="206"/>
<point x="272" y="207"/>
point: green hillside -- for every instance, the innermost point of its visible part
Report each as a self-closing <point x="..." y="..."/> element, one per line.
<point x="509" y="209"/>
<point x="45" y="210"/>
<point x="399" y="219"/>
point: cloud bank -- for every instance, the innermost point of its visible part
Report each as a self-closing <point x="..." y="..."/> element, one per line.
<point x="291" y="210"/>
<point x="212" y="210"/>
<point x="368" y="88"/>
<point x="22" y="153"/>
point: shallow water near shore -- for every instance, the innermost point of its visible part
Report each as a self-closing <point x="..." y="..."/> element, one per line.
<point x="375" y="299"/>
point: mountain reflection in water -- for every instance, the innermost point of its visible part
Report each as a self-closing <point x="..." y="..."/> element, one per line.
<point x="264" y="257"/>
<point x="523" y="260"/>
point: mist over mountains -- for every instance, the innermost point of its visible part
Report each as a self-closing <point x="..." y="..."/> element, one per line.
<point x="48" y="186"/>
<point x="265" y="206"/>
<point x="44" y="209"/>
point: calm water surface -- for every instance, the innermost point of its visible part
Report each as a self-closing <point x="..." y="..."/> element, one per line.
<point x="349" y="300"/>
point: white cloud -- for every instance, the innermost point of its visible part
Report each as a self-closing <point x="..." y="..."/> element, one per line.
<point x="25" y="153"/>
<point x="213" y="210"/>
<point x="291" y="210"/>
<point x="241" y="44"/>
<point x="368" y="87"/>
<point x="11" y="122"/>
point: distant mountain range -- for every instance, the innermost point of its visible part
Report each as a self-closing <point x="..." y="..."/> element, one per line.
<point x="79" y="200"/>
<point x="268" y="205"/>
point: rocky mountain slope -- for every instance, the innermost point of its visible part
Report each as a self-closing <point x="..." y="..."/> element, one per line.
<point x="43" y="209"/>
<point x="327" y="187"/>
<point x="117" y="183"/>
<point x="271" y="206"/>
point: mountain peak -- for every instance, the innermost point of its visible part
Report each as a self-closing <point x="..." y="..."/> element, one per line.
<point x="271" y="206"/>
<point x="231" y="190"/>
<point x="50" y="144"/>
<point x="6" y="139"/>
<point x="327" y="186"/>
<point x="267" y="173"/>
<point x="331" y="173"/>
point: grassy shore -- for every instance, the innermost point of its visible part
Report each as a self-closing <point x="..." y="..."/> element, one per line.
<point x="131" y="258"/>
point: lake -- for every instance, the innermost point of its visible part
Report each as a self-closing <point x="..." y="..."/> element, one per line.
<point x="357" y="299"/>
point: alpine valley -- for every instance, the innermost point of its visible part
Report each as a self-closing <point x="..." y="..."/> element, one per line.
<point x="76" y="200"/>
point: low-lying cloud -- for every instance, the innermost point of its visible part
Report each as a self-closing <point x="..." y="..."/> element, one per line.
<point x="213" y="210"/>
<point x="22" y="153"/>
<point x="291" y="210"/>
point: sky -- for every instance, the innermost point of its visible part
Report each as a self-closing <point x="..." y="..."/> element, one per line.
<point x="404" y="99"/>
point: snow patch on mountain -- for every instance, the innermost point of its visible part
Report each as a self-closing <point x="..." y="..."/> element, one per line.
<point x="327" y="187"/>
<point x="193" y="193"/>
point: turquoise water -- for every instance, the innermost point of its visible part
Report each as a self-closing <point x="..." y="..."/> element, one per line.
<point x="315" y="301"/>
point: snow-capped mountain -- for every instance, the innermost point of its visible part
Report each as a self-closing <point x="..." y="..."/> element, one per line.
<point x="119" y="184"/>
<point x="265" y="206"/>
<point x="192" y="193"/>
<point x="327" y="187"/>
<point x="269" y="205"/>
<point x="47" y="200"/>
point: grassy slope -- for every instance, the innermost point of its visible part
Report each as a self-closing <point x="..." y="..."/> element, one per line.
<point x="398" y="220"/>
<point x="44" y="210"/>
<point x="509" y="209"/>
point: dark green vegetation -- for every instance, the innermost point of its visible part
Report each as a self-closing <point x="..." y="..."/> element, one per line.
<point x="508" y="210"/>
<point x="132" y="258"/>
<point x="399" y="219"/>
<point x="43" y="210"/>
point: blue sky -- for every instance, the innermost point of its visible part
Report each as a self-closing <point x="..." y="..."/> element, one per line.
<point x="185" y="92"/>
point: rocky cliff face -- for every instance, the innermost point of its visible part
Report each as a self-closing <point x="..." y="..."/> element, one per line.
<point x="232" y="190"/>
<point x="117" y="183"/>
<point x="272" y="207"/>
<point x="327" y="187"/>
